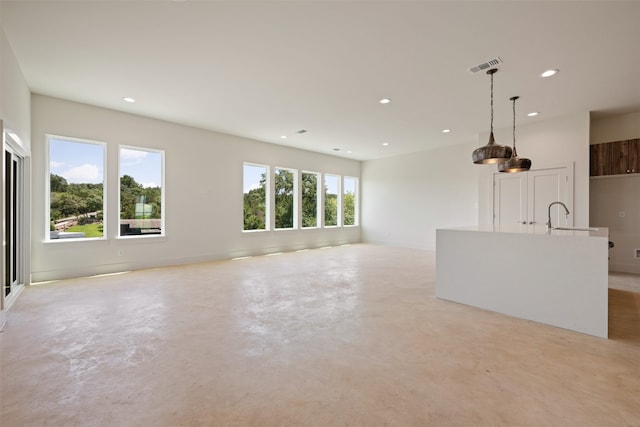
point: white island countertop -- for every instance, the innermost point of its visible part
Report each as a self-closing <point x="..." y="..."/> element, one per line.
<point x="556" y="277"/>
<point x="537" y="229"/>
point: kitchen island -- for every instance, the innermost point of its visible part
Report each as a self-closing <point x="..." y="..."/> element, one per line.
<point x="556" y="277"/>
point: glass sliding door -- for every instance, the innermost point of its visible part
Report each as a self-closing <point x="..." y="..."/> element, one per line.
<point x="13" y="210"/>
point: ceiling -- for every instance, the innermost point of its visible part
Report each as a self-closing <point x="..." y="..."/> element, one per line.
<point x="266" y="69"/>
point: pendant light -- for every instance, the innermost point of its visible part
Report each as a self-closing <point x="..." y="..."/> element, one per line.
<point x="515" y="163"/>
<point x="491" y="153"/>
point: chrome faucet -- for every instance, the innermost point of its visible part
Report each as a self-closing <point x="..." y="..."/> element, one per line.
<point x="566" y="210"/>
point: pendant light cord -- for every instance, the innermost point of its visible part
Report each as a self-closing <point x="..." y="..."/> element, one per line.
<point x="492" y="102"/>
<point x="513" y="98"/>
<point x="514" y="122"/>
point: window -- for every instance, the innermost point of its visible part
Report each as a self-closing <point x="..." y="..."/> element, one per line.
<point x="76" y="192"/>
<point x="310" y="204"/>
<point x="285" y="200"/>
<point x="141" y="191"/>
<point x="350" y="201"/>
<point x="255" y="196"/>
<point x="331" y="183"/>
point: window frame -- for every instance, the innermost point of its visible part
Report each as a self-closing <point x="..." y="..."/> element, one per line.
<point x="162" y="193"/>
<point x="47" y="189"/>
<point x="294" y="195"/>
<point x="319" y="204"/>
<point x="267" y="196"/>
<point x="338" y="179"/>
<point x="356" y="211"/>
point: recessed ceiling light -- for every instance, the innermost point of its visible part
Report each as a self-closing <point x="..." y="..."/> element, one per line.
<point x="446" y="130"/>
<point x="349" y="151"/>
<point x="549" y="73"/>
<point x="533" y="114"/>
<point x="385" y="100"/>
<point x="128" y="99"/>
<point x="283" y="137"/>
<point x="385" y="143"/>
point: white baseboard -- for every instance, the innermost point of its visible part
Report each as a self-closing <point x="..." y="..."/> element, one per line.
<point x="624" y="268"/>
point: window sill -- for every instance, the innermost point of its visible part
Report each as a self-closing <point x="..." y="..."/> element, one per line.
<point x="75" y="239"/>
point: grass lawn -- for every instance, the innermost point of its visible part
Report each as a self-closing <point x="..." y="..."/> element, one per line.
<point x="90" y="230"/>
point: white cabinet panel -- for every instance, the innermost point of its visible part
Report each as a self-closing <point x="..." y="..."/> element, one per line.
<point x="545" y="187"/>
<point x="525" y="197"/>
<point x="510" y="198"/>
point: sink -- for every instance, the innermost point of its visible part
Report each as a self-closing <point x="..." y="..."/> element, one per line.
<point x="576" y="228"/>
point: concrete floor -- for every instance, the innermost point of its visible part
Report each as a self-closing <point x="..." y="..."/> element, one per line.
<point x="344" y="336"/>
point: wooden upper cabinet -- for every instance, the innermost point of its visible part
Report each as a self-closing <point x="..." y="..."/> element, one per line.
<point x="633" y="151"/>
<point x="615" y="158"/>
<point x="602" y="159"/>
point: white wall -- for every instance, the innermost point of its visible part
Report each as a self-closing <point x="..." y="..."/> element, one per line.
<point x="615" y="203"/>
<point x="405" y="198"/>
<point x="15" y="97"/>
<point x="615" y="200"/>
<point x="202" y="169"/>
<point x="615" y="128"/>
<point x="548" y="143"/>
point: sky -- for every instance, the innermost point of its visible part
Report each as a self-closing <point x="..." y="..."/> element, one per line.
<point x="82" y="162"/>
<point x="331" y="183"/>
<point x="77" y="162"/>
<point x="349" y="185"/>
<point x="144" y="166"/>
<point x="251" y="179"/>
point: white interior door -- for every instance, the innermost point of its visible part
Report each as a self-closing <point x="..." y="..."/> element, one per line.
<point x="545" y="187"/>
<point x="510" y="198"/>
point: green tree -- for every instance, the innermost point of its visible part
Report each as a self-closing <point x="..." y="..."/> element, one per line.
<point x="93" y="202"/>
<point x="254" y="209"/>
<point x="55" y="207"/>
<point x="330" y="208"/>
<point x="130" y="192"/>
<point x="255" y="204"/>
<point x="89" y="196"/>
<point x="153" y="196"/>
<point x="349" y="208"/>
<point x="75" y="200"/>
<point x="284" y="198"/>
<point x="58" y="184"/>
<point x="309" y="200"/>
<point x="64" y="205"/>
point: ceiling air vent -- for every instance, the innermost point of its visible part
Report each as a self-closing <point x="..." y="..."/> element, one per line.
<point x="486" y="65"/>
